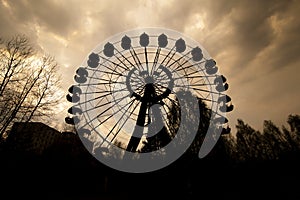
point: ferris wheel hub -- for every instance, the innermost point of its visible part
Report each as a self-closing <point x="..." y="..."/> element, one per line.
<point x="149" y="80"/>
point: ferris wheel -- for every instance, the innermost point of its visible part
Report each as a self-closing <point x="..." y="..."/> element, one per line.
<point x="130" y="87"/>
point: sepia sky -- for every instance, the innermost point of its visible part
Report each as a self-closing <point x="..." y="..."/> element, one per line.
<point x="255" y="43"/>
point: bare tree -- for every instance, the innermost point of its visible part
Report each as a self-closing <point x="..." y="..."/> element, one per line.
<point x="29" y="85"/>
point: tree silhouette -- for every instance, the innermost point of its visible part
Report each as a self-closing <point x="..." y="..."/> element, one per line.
<point x="28" y="83"/>
<point x="271" y="144"/>
<point x="294" y="122"/>
<point x="173" y="122"/>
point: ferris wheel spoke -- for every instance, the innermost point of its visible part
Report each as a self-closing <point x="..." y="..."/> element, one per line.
<point x="99" y="115"/>
<point x="195" y="85"/>
<point x="189" y="66"/>
<point x="159" y="88"/>
<point x="121" y="61"/>
<point x="171" y="100"/>
<point x="112" y="68"/>
<point x="107" y="80"/>
<point x="178" y="59"/>
<point x="92" y="84"/>
<point x="116" y="123"/>
<point x="101" y="123"/>
<point x="137" y="81"/>
<point x="97" y="84"/>
<point x="140" y="90"/>
<point x="123" y="109"/>
<point x="94" y="99"/>
<point x="162" y="77"/>
<point x="114" y="63"/>
<point x="191" y="73"/>
<point x="163" y="85"/>
<point x="155" y="60"/>
<point x="171" y="58"/>
<point x="137" y="84"/>
<point x="157" y="85"/>
<point x="146" y="58"/>
<point x="168" y="54"/>
<point x="134" y="85"/>
<point x="136" y="59"/>
<point x="111" y="72"/>
<point x="132" y="65"/>
<point x="104" y="91"/>
<point x="209" y="100"/>
<point x="182" y="67"/>
<point x="203" y="95"/>
<point x="192" y="77"/>
<point x="109" y="102"/>
<point x="204" y="90"/>
<point x="128" y="117"/>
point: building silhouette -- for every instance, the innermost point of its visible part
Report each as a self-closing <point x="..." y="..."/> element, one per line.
<point x="33" y="137"/>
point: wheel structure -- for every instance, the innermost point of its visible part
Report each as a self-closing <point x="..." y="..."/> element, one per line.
<point x="127" y="88"/>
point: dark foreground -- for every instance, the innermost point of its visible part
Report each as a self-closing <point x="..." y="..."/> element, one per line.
<point x="57" y="177"/>
<point x="33" y="167"/>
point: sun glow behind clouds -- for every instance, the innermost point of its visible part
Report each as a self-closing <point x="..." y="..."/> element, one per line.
<point x="5" y="4"/>
<point x="196" y="23"/>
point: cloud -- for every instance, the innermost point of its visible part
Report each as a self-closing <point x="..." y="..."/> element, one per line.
<point x="54" y="16"/>
<point x="255" y="43"/>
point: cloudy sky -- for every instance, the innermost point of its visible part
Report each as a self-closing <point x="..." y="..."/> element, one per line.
<point x="256" y="43"/>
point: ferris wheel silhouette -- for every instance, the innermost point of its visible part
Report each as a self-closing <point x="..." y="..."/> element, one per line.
<point x="129" y="86"/>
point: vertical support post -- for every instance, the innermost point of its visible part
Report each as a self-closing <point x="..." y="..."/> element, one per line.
<point x="147" y="101"/>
